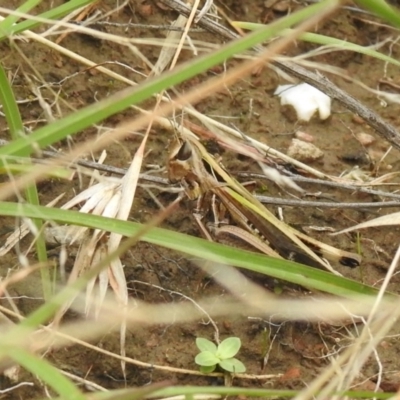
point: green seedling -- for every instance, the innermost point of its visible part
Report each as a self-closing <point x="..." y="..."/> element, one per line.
<point x="222" y="355"/>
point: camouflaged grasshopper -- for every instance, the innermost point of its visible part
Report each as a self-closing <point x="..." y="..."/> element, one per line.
<point x="253" y="226"/>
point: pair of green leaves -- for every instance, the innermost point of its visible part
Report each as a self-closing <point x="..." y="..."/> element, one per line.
<point x="222" y="355"/>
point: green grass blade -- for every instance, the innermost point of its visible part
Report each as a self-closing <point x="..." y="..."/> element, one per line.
<point x="120" y="101"/>
<point x="145" y="392"/>
<point x="10" y="107"/>
<point x="46" y="373"/>
<point x="9" y="21"/>
<point x="22" y="166"/>
<point x="54" y="13"/>
<point x="16" y="128"/>
<point x="326" y="41"/>
<point x="202" y="249"/>
<point x="172" y="391"/>
<point x="382" y="9"/>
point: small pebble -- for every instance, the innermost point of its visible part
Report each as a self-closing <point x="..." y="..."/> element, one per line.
<point x="365" y="138"/>
<point x="305" y="137"/>
<point x="304" y="151"/>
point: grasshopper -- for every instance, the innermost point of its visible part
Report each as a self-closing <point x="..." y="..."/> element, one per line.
<point x="255" y="225"/>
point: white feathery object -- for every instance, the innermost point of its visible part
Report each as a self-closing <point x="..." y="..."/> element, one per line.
<point x="305" y="99"/>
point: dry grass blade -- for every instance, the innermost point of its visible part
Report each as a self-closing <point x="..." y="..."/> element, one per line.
<point x="262" y="304"/>
<point x="191" y="166"/>
<point x="167" y="52"/>
<point x="390" y="219"/>
<point x="110" y="198"/>
<point x="116" y="272"/>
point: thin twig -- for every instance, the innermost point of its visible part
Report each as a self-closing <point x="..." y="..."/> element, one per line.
<point x="325" y="204"/>
<point x="102" y="167"/>
<point x="144" y="26"/>
<point x="198" y="306"/>
<point x="88" y="384"/>
<point x="346" y="186"/>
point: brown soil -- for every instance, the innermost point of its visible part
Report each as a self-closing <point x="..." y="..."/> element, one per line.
<point x="298" y="350"/>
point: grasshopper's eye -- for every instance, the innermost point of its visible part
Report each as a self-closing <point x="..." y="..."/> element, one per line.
<point x="184" y="153"/>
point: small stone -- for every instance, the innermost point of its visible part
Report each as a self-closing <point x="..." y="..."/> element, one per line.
<point x="303" y="151"/>
<point x="305" y="137"/>
<point x="365" y="138"/>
